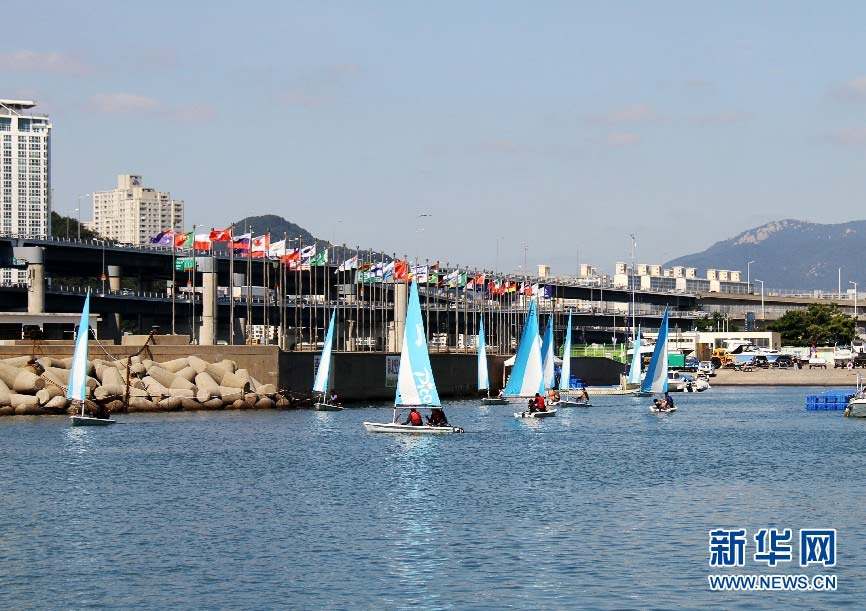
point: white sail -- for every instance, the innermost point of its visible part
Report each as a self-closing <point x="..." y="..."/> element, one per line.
<point x="527" y="377"/>
<point x="483" y="380"/>
<point x="634" y="370"/>
<point x="415" y="383"/>
<point x="321" y="383"/>
<point x="565" y="374"/>
<point x="656" y="380"/>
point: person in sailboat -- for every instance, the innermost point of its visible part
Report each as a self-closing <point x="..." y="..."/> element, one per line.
<point x="437" y="417"/>
<point x="536" y="404"/>
<point x="584" y="396"/>
<point x="501" y="394"/>
<point x="335" y="400"/>
<point x="668" y="400"/>
<point x="414" y="418"/>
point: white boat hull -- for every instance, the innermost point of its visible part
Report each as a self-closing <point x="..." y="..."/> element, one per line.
<point x="494" y="401"/>
<point x="86" y="421"/>
<point x="609" y="390"/>
<point x="393" y="427"/>
<point x="656" y="410"/>
<point x="548" y="414"/>
<point x="327" y="407"/>
<point x="856" y="408"/>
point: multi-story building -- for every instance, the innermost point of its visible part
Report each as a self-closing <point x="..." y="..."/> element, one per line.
<point x="133" y="213"/>
<point x="25" y="174"/>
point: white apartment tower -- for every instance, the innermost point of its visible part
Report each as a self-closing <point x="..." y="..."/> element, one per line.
<point x="25" y="160"/>
<point x="133" y="213"/>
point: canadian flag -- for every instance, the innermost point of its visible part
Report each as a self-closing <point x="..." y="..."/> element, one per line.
<point x="220" y="235"/>
<point x="202" y="241"/>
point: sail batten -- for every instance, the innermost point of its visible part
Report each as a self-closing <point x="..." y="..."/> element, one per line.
<point x="483" y="379"/>
<point x="77" y="389"/>
<point x="415" y="383"/>
<point x="656" y="379"/>
<point x="634" y="370"/>
<point x="565" y="373"/>
<point x="323" y="373"/>
<point x="527" y="376"/>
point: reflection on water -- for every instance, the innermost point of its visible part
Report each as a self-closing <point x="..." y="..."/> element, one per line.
<point x="305" y="509"/>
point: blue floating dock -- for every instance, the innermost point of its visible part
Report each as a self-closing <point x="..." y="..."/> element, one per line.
<point x="831" y="400"/>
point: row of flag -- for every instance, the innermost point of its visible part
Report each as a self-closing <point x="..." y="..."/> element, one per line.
<point x="365" y="273"/>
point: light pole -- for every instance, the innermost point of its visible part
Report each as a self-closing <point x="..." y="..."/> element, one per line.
<point x="749" y="272"/>
<point x="763" y="314"/>
<point x="633" y="312"/>
<point x="79" y="198"/>
<point x="855" y="300"/>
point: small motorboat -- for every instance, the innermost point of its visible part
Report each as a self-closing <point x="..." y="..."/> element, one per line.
<point x="527" y="414"/>
<point x="88" y="421"/>
<point x="324" y="406"/>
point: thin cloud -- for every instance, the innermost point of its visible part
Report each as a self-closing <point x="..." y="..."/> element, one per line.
<point x="853" y="90"/>
<point x="124" y="103"/>
<point x="134" y="104"/>
<point x="53" y="62"/>
<point x="723" y="118"/>
<point x="849" y="136"/>
<point x="636" y="113"/>
<point x="623" y="139"/>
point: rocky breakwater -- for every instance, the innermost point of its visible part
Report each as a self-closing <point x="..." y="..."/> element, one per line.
<point x="38" y="386"/>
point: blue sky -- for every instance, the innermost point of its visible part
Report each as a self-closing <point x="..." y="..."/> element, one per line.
<point x="561" y="125"/>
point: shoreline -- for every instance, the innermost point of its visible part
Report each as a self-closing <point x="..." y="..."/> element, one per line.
<point x="786" y="377"/>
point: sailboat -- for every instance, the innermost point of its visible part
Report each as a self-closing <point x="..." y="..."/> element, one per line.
<point x="527" y="374"/>
<point x="656" y="379"/>
<point x="565" y="374"/>
<point x="483" y="378"/>
<point x="636" y="358"/>
<point x="415" y="384"/>
<point x="320" y="385"/>
<point x="547" y="364"/>
<point x="77" y="390"/>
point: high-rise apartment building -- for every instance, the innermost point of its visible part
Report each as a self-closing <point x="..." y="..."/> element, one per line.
<point x="133" y="213"/>
<point x="25" y="167"/>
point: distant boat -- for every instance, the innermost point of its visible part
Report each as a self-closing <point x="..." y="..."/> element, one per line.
<point x="77" y="390"/>
<point x="320" y="385"/>
<point x="656" y="379"/>
<point x="415" y="384"/>
<point x="483" y="377"/>
<point x="565" y="374"/>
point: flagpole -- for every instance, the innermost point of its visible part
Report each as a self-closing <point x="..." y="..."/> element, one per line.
<point x="173" y="283"/>
<point x="231" y="285"/>
<point x="298" y="294"/>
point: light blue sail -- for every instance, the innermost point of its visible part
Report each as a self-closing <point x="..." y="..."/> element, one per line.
<point x="527" y="377"/>
<point x="415" y="384"/>
<point x="565" y="373"/>
<point x="547" y="364"/>
<point x="656" y="379"/>
<point x="483" y="381"/>
<point x="323" y="373"/>
<point x="634" y="370"/>
<point x="77" y="389"/>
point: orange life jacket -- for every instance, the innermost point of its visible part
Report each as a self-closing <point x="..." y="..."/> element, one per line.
<point x="416" y="419"/>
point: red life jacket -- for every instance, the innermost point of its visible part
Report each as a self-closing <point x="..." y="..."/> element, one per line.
<point x="416" y="419"/>
<point x="539" y="402"/>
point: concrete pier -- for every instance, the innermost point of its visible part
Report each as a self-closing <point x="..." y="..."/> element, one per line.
<point x="35" y="257"/>
<point x="208" y="302"/>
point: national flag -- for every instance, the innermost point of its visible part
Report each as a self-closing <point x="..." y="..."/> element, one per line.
<point x="511" y="287"/>
<point x="163" y="238"/>
<point x="260" y="245"/>
<point x="548" y="291"/>
<point x="452" y="278"/>
<point x="307" y="253"/>
<point x="221" y="235"/>
<point x="401" y="271"/>
<point x="348" y="264"/>
<point x="320" y="259"/>
<point x="527" y="289"/>
<point x="388" y="271"/>
<point x="291" y="258"/>
<point x="183" y="264"/>
<point x="202" y="241"/>
<point x="418" y="273"/>
<point x="277" y="249"/>
<point x="241" y="242"/>
<point x="433" y="274"/>
<point x="182" y="240"/>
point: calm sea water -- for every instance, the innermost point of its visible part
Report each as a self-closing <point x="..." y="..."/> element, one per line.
<point x="601" y="508"/>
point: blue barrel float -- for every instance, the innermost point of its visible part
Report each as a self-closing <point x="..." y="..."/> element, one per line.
<point x="832" y="400"/>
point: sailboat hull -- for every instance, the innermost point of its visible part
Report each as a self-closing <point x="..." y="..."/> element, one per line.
<point x="494" y="401"/>
<point x="548" y="414"/>
<point x="85" y="421"/>
<point x="327" y="407"/>
<point x="393" y="427"/>
<point x="656" y="410"/>
<point x="572" y="403"/>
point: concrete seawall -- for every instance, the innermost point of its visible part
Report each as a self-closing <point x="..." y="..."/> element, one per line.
<point x="787" y="377"/>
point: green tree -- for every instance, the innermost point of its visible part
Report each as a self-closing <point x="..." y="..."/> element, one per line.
<point x="713" y="323"/>
<point x="819" y="324"/>
<point x="60" y="225"/>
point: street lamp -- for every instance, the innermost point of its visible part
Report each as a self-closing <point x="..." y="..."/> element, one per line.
<point x="79" y="198"/>
<point x="749" y="272"/>
<point x="855" y="300"/>
<point x="763" y="314"/>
